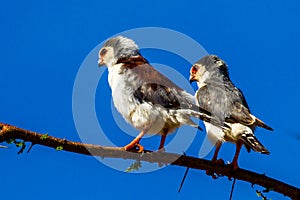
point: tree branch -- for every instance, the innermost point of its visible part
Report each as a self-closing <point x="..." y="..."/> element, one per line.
<point x="8" y="132"/>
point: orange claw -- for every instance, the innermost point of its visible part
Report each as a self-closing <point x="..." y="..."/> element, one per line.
<point x="129" y="147"/>
<point x="141" y="148"/>
<point x="135" y="143"/>
<point x="132" y="145"/>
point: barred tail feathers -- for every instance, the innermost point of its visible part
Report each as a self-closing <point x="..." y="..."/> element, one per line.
<point x="252" y="142"/>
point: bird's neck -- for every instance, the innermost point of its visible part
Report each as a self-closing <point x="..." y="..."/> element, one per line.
<point x="114" y="72"/>
<point x="201" y="83"/>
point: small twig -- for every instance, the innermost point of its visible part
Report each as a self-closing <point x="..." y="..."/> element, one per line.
<point x="183" y="179"/>
<point x="260" y="194"/>
<point x="29" y="149"/>
<point x="184" y="176"/>
<point x="232" y="188"/>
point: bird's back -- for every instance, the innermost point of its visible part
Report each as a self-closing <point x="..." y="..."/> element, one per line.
<point x="220" y="97"/>
<point x="152" y="86"/>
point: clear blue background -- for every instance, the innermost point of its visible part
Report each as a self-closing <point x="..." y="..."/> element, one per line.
<point x="43" y="44"/>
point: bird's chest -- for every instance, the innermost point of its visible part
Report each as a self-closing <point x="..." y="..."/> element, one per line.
<point x="122" y="93"/>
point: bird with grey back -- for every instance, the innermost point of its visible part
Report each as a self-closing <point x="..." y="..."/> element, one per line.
<point x="218" y="95"/>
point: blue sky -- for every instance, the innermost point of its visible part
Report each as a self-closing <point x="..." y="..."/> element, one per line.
<point x="43" y="44"/>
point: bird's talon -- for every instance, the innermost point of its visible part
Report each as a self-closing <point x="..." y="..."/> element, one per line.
<point x="219" y="162"/>
<point x="128" y="147"/>
<point x="212" y="174"/>
<point x="140" y="147"/>
<point x="234" y="166"/>
<point x="132" y="145"/>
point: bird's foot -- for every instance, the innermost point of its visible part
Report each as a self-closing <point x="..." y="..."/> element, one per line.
<point x="133" y="145"/>
<point x="140" y="147"/>
<point x="234" y="165"/>
<point x="161" y="150"/>
<point x="218" y="162"/>
<point x="213" y="174"/>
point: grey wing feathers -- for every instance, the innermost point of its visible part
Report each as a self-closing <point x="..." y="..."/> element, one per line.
<point x="213" y="99"/>
<point x="245" y="115"/>
<point x="226" y="102"/>
<point x="158" y="89"/>
<point x="157" y="94"/>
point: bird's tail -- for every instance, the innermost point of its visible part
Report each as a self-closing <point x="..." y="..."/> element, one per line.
<point x="262" y="124"/>
<point x="252" y="142"/>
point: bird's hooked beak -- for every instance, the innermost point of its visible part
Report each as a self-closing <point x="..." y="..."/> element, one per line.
<point x="192" y="78"/>
<point x="101" y="62"/>
<point x="193" y="73"/>
<point x="101" y="55"/>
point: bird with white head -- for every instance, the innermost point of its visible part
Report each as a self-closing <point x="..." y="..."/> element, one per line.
<point x="147" y="100"/>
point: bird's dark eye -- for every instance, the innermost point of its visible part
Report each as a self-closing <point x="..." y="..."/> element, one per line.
<point x="103" y="52"/>
<point x="194" y="69"/>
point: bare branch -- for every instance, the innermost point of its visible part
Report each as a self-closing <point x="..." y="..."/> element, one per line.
<point x="8" y="132"/>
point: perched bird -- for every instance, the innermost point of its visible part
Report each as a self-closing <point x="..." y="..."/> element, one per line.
<point x="148" y="100"/>
<point x="218" y="95"/>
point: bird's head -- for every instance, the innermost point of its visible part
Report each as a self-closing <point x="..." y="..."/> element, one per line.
<point x="116" y="48"/>
<point x="207" y="67"/>
<point x="195" y="72"/>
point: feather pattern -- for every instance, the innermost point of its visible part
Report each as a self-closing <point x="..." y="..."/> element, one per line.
<point x="218" y="95"/>
<point x="148" y="100"/>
